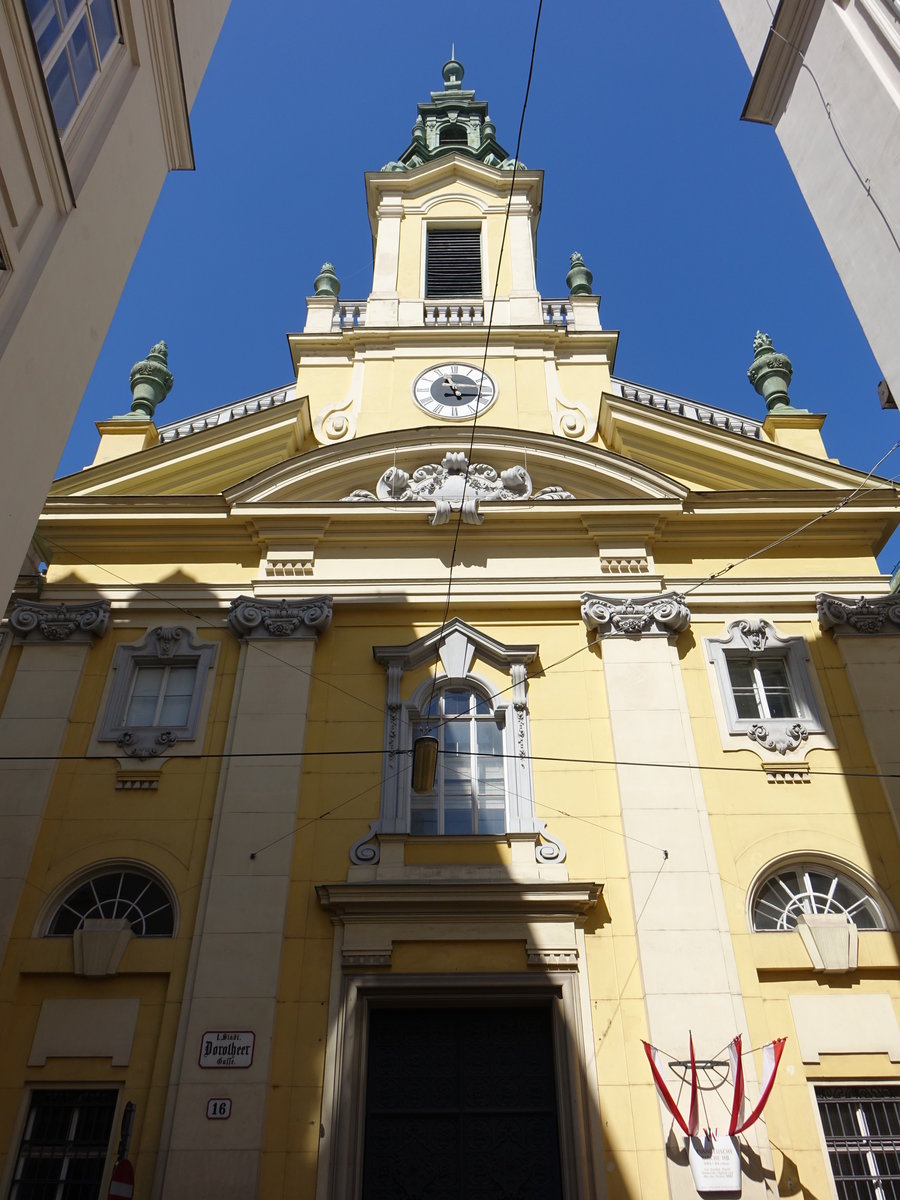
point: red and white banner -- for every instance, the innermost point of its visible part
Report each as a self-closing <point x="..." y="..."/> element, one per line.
<point x="691" y="1125"/>
<point x="771" y="1058"/>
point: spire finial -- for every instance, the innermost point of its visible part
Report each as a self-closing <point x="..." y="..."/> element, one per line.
<point x="452" y="72"/>
<point x="151" y="381"/>
<point x="770" y="373"/>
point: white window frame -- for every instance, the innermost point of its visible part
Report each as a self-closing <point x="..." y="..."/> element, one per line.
<point x="841" y="872"/>
<point x="103" y="63"/>
<point x="162" y="646"/>
<point x="454" y="648"/>
<point x="417" y="722"/>
<point x="755" y="638"/>
<point x="74" y="883"/>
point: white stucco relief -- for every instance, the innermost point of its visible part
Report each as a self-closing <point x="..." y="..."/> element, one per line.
<point x="338" y="422"/>
<point x="453" y="484"/>
<point x="570" y="418"/>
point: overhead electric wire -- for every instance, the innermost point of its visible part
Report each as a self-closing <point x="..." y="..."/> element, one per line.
<point x="487" y="342"/>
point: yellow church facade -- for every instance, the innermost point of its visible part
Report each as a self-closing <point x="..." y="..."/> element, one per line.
<point x="661" y="666"/>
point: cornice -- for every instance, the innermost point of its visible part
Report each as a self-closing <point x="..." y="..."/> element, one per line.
<point x="497" y="897"/>
<point x="204" y="463"/>
<point x="427" y="176"/>
<point x="711" y="456"/>
<point x="563" y="342"/>
<point x="780" y="61"/>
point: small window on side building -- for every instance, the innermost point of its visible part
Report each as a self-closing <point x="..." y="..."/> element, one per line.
<point x="73" y="38"/>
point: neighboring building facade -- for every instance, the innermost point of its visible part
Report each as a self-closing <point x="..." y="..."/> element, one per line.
<point x="826" y="77"/>
<point x="95" y="112"/>
<point x="658" y="807"/>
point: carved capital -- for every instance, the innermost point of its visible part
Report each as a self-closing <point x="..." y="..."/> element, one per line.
<point x="657" y="616"/>
<point x="253" y="618"/>
<point x="59" y="622"/>
<point x="869" y="614"/>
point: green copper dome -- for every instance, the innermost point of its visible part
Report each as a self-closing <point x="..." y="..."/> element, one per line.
<point x="452" y="121"/>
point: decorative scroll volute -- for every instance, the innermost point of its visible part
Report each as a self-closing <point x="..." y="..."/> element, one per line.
<point x="255" y="618"/>
<point x="655" y="616"/>
<point x="60" y="622"/>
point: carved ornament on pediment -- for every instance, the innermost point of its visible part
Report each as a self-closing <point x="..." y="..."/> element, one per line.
<point x="655" y="616"/>
<point x="868" y="614"/>
<point x="454" y="484"/>
<point x="255" y="618"/>
<point x="60" y="622"/>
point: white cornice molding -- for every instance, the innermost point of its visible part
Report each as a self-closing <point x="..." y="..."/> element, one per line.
<point x="781" y="59"/>
<point x="544" y="914"/>
<point x="168" y="77"/>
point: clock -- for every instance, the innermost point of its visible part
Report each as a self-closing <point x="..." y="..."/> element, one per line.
<point x="457" y="391"/>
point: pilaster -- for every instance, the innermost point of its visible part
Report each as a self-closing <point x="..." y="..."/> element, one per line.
<point x="55" y="642"/>
<point x="867" y="632"/>
<point x="685" y="951"/>
<point x="233" y="976"/>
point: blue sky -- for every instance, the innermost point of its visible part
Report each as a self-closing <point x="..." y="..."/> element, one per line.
<point x="690" y="219"/>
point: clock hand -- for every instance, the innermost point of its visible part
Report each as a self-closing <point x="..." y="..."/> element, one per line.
<point x="448" y="383"/>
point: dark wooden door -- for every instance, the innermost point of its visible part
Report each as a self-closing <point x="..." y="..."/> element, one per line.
<point x="461" y="1105"/>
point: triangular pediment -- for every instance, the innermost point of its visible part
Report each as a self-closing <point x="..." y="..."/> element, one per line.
<point x="204" y="454"/>
<point x="704" y="455"/>
<point x="533" y="465"/>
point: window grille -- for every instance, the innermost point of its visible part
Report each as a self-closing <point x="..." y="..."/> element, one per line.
<point x="862" y="1133"/>
<point x="64" y="1147"/>
<point x="453" y="262"/>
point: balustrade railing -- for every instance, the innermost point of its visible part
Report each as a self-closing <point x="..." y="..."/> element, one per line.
<point x="454" y="314"/>
<point x="349" y="315"/>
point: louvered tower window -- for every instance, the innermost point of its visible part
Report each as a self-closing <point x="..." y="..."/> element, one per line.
<point x="453" y="263"/>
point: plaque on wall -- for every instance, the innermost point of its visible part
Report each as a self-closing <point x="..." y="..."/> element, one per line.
<point x="227" y="1048"/>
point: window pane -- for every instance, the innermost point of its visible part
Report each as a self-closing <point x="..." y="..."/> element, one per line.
<point x="458" y="813"/>
<point x="456" y="702"/>
<point x="423" y="815"/>
<point x="45" y="23"/>
<point x="82" y="57"/>
<point x="69" y="8"/>
<point x="104" y="25"/>
<point x="777" y="687"/>
<point x="144" y="696"/>
<point x="740" y="672"/>
<point x="179" y="691"/>
<point x="62" y="91"/>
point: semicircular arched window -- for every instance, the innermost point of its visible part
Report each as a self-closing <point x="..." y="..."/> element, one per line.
<point x="132" y="895"/>
<point x="453" y="135"/>
<point x="813" y="888"/>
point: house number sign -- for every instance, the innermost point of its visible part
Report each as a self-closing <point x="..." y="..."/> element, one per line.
<point x="227" y="1048"/>
<point x="218" y="1109"/>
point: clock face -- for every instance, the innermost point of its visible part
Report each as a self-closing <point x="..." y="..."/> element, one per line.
<point x="454" y="390"/>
